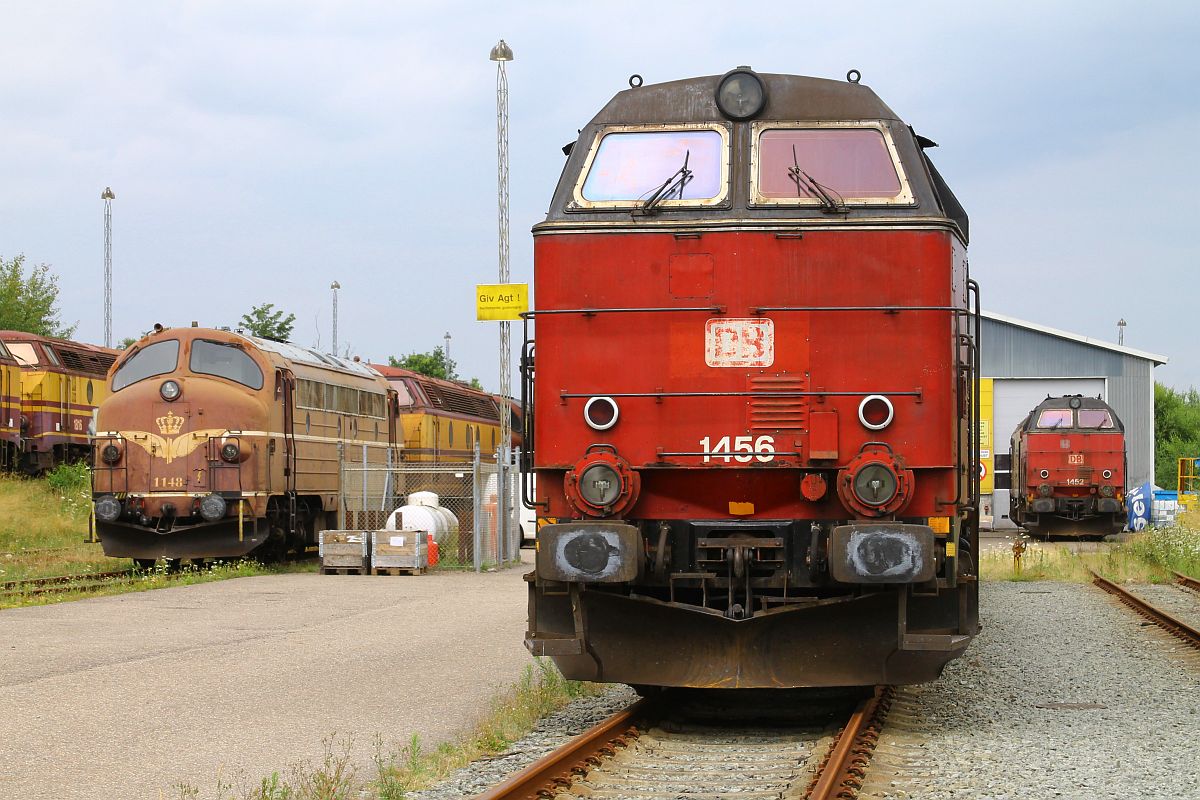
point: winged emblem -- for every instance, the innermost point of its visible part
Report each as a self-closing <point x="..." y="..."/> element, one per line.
<point x="172" y="448"/>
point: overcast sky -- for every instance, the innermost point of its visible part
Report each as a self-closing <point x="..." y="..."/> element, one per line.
<point x="261" y="150"/>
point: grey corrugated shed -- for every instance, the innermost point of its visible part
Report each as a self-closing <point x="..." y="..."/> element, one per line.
<point x="1013" y="348"/>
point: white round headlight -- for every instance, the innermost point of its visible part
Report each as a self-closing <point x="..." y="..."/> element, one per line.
<point x="170" y="391"/>
<point x="875" y="412"/>
<point x="600" y="413"/>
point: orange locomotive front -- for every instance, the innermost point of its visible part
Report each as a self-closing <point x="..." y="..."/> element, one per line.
<point x="218" y="445"/>
<point x="1069" y="468"/>
<point x="751" y="386"/>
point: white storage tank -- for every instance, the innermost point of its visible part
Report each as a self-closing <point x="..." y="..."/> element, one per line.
<point x="424" y="514"/>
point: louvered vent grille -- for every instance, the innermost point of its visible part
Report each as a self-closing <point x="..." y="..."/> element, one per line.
<point x="78" y="361"/>
<point x="778" y="413"/>
<point x="461" y="402"/>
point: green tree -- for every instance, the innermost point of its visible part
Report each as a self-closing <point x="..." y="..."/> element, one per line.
<point x="125" y="343"/>
<point x="436" y="364"/>
<point x="1176" y="432"/>
<point x="30" y="302"/>
<point x="264" y="322"/>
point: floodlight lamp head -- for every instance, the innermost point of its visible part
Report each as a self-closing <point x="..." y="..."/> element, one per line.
<point x="335" y="285"/>
<point x="107" y="194"/>
<point x="501" y="52"/>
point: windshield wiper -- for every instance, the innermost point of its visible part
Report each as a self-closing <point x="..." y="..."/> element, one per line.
<point x="671" y="186"/>
<point x="806" y="183"/>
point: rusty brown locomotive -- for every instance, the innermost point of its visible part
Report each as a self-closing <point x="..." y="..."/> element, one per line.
<point x="218" y="445"/>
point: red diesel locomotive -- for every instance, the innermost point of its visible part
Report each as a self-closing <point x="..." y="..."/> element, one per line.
<point x="749" y="396"/>
<point x="1068" y="457"/>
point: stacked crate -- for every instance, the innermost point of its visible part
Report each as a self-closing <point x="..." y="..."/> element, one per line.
<point x="344" y="552"/>
<point x="403" y="552"/>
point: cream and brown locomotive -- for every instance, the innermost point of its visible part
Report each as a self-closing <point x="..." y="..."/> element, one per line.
<point x="218" y="445"/>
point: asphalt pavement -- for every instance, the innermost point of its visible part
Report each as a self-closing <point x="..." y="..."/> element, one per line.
<point x="130" y="696"/>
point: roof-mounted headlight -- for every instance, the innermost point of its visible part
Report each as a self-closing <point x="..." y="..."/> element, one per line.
<point x="741" y="94"/>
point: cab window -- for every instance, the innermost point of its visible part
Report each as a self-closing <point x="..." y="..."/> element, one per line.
<point x="853" y="165"/>
<point x="403" y="396"/>
<point x="154" y="359"/>
<point x="627" y="167"/>
<point x="4" y="351"/>
<point x="1095" y="418"/>
<point x="25" y="353"/>
<point x="1056" y="418"/>
<point x="225" y="361"/>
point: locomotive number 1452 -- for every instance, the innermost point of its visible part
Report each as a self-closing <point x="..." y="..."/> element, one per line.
<point x="742" y="449"/>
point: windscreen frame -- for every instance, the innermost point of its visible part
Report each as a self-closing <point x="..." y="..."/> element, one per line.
<point x="580" y="203"/>
<point x="904" y="198"/>
<point x="138" y="352"/>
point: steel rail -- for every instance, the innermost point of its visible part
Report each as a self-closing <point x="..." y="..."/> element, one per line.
<point x="1159" y="617"/>
<point x="560" y="768"/>
<point x="1186" y="580"/>
<point x="842" y="772"/>
<point x="57" y="580"/>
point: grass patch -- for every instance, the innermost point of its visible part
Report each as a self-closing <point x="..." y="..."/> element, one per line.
<point x="1146" y="557"/>
<point x="158" y="578"/>
<point x="44" y="530"/>
<point x="44" y="527"/>
<point x="400" y="769"/>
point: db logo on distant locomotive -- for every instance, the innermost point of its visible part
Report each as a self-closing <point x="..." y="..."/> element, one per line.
<point x="739" y="342"/>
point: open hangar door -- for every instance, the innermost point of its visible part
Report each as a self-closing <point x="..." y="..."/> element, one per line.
<point x="1012" y="399"/>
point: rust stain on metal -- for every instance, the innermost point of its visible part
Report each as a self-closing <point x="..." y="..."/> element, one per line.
<point x="842" y="772"/>
<point x="556" y="771"/>
<point x="1159" y="617"/>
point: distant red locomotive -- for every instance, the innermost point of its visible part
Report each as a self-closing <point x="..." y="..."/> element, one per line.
<point x="1069" y="468"/>
<point x="748" y="401"/>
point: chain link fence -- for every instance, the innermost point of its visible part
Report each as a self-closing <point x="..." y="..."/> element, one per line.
<point x="482" y="496"/>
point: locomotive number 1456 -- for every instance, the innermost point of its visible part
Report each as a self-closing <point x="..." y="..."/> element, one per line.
<point x="742" y="449"/>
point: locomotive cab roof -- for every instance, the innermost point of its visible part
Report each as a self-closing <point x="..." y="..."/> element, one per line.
<point x="1072" y="403"/>
<point x="738" y="157"/>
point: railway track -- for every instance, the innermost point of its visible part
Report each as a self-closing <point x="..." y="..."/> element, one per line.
<point x="82" y="582"/>
<point x="1172" y="625"/>
<point x="1186" y="581"/>
<point x="658" y="749"/>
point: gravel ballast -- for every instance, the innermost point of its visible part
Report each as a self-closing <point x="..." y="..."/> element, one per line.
<point x="1065" y="693"/>
<point x="551" y="732"/>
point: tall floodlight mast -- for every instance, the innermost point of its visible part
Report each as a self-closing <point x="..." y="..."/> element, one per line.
<point x="107" y="196"/>
<point x="502" y="54"/>
<point x="335" y="286"/>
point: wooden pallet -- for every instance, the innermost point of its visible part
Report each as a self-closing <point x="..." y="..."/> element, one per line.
<point x="343" y="571"/>
<point x="399" y="570"/>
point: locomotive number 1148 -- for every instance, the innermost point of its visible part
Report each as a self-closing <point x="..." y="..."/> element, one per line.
<point x="742" y="449"/>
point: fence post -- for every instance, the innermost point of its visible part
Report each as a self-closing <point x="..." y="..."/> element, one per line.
<point x="477" y="502"/>
<point x="341" y="515"/>
<point x="386" y="505"/>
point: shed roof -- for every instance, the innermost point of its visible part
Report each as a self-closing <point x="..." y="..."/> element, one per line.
<point x="1075" y="337"/>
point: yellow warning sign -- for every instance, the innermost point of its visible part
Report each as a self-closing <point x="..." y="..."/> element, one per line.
<point x="501" y="301"/>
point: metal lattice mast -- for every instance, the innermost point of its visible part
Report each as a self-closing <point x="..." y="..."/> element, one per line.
<point x="335" y="286"/>
<point x="107" y="196"/>
<point x="502" y="54"/>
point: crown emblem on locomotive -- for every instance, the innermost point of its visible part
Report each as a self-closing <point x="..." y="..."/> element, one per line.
<point x="170" y="424"/>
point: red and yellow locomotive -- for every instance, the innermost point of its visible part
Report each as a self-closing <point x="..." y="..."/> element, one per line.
<point x="1068" y="469"/>
<point x="60" y="384"/>
<point x="749" y="393"/>
<point x="215" y="444"/>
